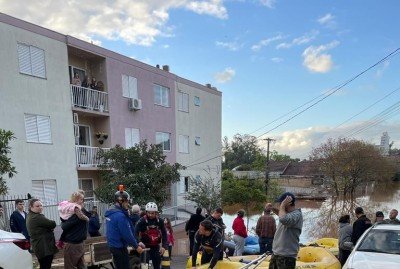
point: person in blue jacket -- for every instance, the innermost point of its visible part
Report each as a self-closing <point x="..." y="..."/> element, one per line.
<point x="119" y="230"/>
<point x="18" y="219"/>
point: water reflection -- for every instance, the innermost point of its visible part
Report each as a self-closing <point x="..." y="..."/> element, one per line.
<point x="321" y="218"/>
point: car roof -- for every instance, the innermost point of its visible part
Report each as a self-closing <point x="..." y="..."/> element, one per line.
<point x="385" y="226"/>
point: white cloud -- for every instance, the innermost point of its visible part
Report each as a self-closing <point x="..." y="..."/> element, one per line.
<point x="317" y="61"/>
<point x="232" y="46"/>
<point x="277" y="60"/>
<point x="135" y="22"/>
<point x="327" y="20"/>
<point x="166" y="46"/>
<point x="266" y="42"/>
<point x="225" y="75"/>
<point x="304" y="39"/>
<point x="268" y="3"/>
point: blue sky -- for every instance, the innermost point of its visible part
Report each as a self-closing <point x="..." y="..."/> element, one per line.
<point x="267" y="57"/>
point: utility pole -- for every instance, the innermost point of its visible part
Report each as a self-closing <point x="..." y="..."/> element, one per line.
<point x="269" y="140"/>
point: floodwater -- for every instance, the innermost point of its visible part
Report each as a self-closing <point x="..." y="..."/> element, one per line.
<point x="321" y="217"/>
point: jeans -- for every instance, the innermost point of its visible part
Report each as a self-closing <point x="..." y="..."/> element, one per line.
<point x="155" y="257"/>
<point x="265" y="244"/>
<point x="280" y="262"/>
<point x="239" y="245"/>
<point x="343" y="255"/>
<point x="120" y="258"/>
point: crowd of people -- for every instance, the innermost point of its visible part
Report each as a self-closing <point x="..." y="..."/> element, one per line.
<point x="349" y="234"/>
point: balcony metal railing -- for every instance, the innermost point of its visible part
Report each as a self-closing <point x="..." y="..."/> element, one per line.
<point x="88" y="156"/>
<point x="89" y="98"/>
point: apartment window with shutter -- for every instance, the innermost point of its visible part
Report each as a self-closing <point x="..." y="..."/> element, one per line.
<point x="86" y="184"/>
<point x="38" y="129"/>
<point x="161" y="95"/>
<point x="183" y="102"/>
<point x="31" y="60"/>
<point x="164" y="139"/>
<point x="183" y="143"/>
<point x="184" y="184"/>
<point x="129" y="87"/>
<point x="45" y="190"/>
<point x="197" y="101"/>
<point x="132" y="137"/>
<point x="197" y="141"/>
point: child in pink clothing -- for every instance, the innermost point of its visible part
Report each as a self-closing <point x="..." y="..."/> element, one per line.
<point x="69" y="208"/>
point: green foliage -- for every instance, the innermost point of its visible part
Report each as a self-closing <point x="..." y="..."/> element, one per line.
<point x="274" y="190"/>
<point x="241" y="151"/>
<point x="206" y="193"/>
<point x="349" y="163"/>
<point x="143" y="171"/>
<point x="6" y="166"/>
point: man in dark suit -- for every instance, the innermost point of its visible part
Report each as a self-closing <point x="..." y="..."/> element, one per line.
<point x="18" y="219"/>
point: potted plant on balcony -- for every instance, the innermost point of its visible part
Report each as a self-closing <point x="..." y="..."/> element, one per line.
<point x="101" y="136"/>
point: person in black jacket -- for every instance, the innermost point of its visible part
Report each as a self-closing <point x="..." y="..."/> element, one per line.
<point x="75" y="232"/>
<point x="210" y="240"/>
<point x="192" y="225"/>
<point x="94" y="223"/>
<point x="18" y="219"/>
<point x="360" y="225"/>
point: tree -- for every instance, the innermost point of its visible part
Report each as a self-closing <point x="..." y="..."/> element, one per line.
<point x="349" y="163"/>
<point x="141" y="169"/>
<point x="6" y="166"/>
<point x="206" y="193"/>
<point x="241" y="151"/>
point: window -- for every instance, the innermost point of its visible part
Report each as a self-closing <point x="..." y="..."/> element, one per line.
<point x="31" y="60"/>
<point x="183" y="143"/>
<point x="132" y="137"/>
<point x="86" y="184"/>
<point x="197" y="101"/>
<point x="45" y="190"/>
<point x="197" y="141"/>
<point x="161" y="95"/>
<point x="129" y="87"/>
<point x="164" y="139"/>
<point x="183" y="102"/>
<point x="75" y="70"/>
<point x="37" y="129"/>
<point x="184" y="184"/>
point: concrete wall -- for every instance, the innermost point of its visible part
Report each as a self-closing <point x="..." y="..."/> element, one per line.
<point x="203" y="121"/>
<point x="21" y="94"/>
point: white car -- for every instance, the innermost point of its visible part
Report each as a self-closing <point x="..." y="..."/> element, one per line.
<point x="378" y="248"/>
<point x="14" y="251"/>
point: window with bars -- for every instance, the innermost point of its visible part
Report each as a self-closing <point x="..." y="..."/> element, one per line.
<point x="164" y="139"/>
<point x="183" y="102"/>
<point x="161" y="95"/>
<point x="38" y="129"/>
<point x="31" y="60"/>
<point x="45" y="190"/>
<point x="86" y="184"/>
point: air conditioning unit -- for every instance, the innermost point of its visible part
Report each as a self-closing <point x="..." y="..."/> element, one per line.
<point x="135" y="104"/>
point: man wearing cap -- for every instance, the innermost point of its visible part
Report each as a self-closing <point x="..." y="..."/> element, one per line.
<point x="360" y="225"/>
<point x="379" y="217"/>
<point x="286" y="239"/>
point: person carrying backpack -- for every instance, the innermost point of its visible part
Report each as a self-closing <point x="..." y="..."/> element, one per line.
<point x="151" y="232"/>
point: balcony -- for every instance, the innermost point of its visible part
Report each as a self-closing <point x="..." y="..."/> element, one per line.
<point x="87" y="158"/>
<point x="89" y="100"/>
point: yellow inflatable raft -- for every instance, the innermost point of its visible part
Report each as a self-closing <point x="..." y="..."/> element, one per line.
<point x="332" y="244"/>
<point x="308" y="257"/>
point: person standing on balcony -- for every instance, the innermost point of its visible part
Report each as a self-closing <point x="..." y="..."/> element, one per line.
<point x="76" y="80"/>
<point x="93" y="84"/>
<point x="85" y="82"/>
<point x="18" y="219"/>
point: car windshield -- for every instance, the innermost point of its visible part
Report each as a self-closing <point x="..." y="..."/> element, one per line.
<point x="382" y="241"/>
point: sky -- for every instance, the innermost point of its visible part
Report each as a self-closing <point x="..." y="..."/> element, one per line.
<point x="271" y="59"/>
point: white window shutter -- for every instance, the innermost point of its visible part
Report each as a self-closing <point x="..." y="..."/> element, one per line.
<point x="128" y="138"/>
<point x="135" y="137"/>
<point x="50" y="192"/>
<point x="186" y="144"/>
<point x="44" y="130"/>
<point x="37" y="189"/>
<point x="133" y="87"/>
<point x="182" y="185"/>
<point x="185" y="102"/>
<point x="24" y="59"/>
<point x="31" y="128"/>
<point x="125" y="86"/>
<point x="38" y="62"/>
